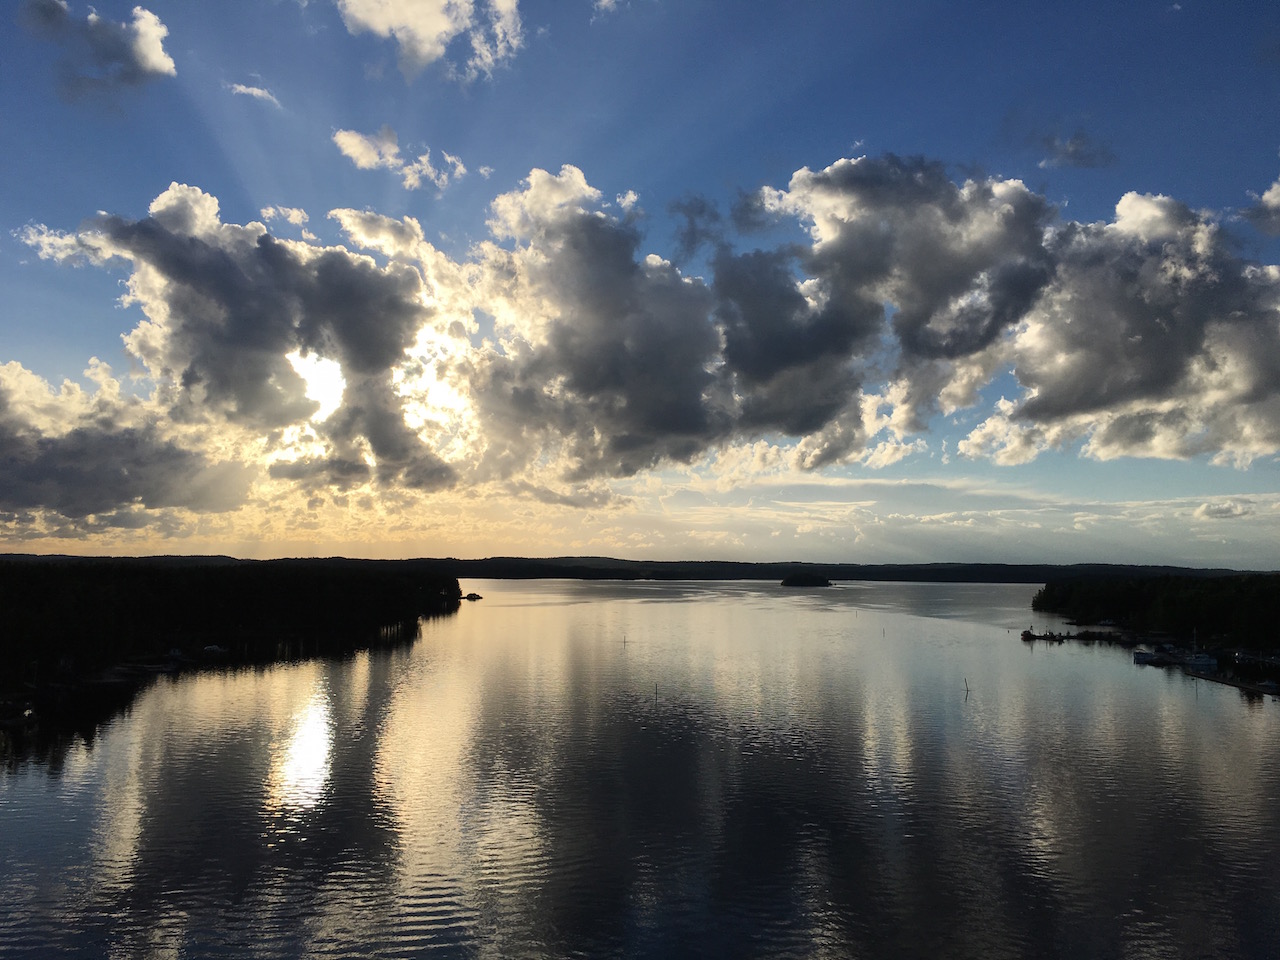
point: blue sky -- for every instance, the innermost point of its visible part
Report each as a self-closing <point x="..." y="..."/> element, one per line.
<point x="649" y="279"/>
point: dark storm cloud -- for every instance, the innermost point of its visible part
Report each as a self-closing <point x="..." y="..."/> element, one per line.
<point x="99" y="467"/>
<point x="579" y="498"/>
<point x="639" y="365"/>
<point x="101" y="54"/>
<point x="748" y="213"/>
<point x="233" y="315"/>
<point x="314" y="471"/>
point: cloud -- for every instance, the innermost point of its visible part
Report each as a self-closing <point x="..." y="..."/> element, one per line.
<point x="258" y="93"/>
<point x="425" y="29"/>
<point x="702" y="224"/>
<point x="100" y="54"/>
<point x="1145" y="335"/>
<point x="958" y="265"/>
<point x="1078" y="150"/>
<point x="1154" y="339"/>
<point x="293" y="215"/>
<point x="80" y="456"/>
<point x="226" y="305"/>
<point x="1225" y="510"/>
<point x="381" y="151"/>
<point x="600" y="350"/>
<point x="1265" y="212"/>
<point x="1003" y="440"/>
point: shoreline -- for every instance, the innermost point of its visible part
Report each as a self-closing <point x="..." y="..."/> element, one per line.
<point x="83" y="637"/>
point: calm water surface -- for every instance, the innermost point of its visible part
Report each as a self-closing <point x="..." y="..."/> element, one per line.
<point x="665" y="770"/>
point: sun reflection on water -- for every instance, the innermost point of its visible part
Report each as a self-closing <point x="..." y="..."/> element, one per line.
<point x="301" y="766"/>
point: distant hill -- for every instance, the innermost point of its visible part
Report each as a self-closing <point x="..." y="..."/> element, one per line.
<point x="609" y="568"/>
<point x="604" y="568"/>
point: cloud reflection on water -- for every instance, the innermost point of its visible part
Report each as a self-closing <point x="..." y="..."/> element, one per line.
<point x="749" y="774"/>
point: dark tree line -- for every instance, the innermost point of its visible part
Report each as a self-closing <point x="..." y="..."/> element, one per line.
<point x="72" y="617"/>
<point x="1241" y="610"/>
<point x="608" y="568"/>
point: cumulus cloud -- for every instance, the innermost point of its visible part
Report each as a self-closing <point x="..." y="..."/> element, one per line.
<point x="294" y="215"/>
<point x="1225" y="510"/>
<point x="609" y="351"/>
<point x="424" y="30"/>
<point x="1143" y="335"/>
<point x="1265" y="211"/>
<point x="381" y="151"/>
<point x="226" y="305"/>
<point x="100" y="54"/>
<point x="1154" y="339"/>
<point x="702" y="224"/>
<point x="78" y="455"/>
<point x="958" y="265"/>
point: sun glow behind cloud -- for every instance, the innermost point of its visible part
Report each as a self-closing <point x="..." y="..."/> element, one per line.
<point x="324" y="380"/>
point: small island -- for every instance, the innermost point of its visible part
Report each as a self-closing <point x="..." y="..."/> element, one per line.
<point x="805" y="578"/>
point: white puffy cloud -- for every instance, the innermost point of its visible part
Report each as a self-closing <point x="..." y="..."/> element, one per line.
<point x="401" y="239"/>
<point x="381" y="151"/>
<point x="546" y="201"/>
<point x="424" y="30"/>
<point x="1225" y="510"/>
<point x="294" y="215"/>
<point x="1265" y="212"/>
<point x="102" y="54"/>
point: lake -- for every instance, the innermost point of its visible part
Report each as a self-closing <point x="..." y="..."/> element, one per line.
<point x="640" y="769"/>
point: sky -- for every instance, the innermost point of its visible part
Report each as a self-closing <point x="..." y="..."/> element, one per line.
<point x="654" y="279"/>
